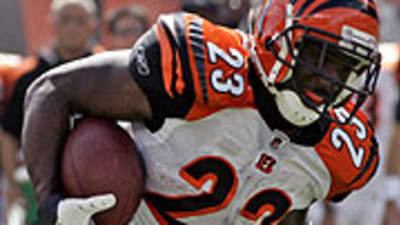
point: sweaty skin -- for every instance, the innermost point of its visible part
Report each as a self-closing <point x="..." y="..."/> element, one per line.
<point x="99" y="85"/>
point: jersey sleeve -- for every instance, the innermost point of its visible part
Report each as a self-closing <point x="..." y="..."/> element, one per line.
<point x="173" y="66"/>
<point x="350" y="153"/>
<point x="149" y="66"/>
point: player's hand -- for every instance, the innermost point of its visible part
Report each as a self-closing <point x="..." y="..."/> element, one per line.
<point x="392" y="214"/>
<point x="79" y="211"/>
<point x="74" y="211"/>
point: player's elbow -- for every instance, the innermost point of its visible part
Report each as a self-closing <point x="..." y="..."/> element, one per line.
<point x="45" y="90"/>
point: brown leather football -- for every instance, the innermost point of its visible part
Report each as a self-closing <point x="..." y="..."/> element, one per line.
<point x="100" y="157"/>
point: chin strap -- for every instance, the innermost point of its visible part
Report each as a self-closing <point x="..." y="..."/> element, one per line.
<point x="293" y="110"/>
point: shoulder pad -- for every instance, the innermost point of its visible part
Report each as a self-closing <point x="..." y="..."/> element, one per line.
<point x="350" y="153"/>
<point x="212" y="57"/>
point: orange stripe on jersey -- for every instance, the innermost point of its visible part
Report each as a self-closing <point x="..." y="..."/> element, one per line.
<point x="349" y="152"/>
<point x="180" y="83"/>
<point x="166" y="58"/>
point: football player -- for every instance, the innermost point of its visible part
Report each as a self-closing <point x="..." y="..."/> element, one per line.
<point x="125" y="25"/>
<point x="233" y="128"/>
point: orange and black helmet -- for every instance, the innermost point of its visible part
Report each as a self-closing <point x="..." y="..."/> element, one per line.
<point x="333" y="40"/>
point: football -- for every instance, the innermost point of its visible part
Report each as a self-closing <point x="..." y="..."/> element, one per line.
<point x="100" y="157"/>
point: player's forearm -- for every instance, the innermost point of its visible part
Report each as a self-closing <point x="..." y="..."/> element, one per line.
<point x="45" y="126"/>
<point x="99" y="86"/>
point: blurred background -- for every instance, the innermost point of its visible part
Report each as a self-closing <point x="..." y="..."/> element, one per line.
<point x="25" y="26"/>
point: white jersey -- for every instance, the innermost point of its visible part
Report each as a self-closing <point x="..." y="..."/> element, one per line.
<point x="231" y="168"/>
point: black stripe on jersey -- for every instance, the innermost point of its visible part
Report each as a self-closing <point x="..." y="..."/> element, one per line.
<point x="174" y="25"/>
<point x="373" y="154"/>
<point x="197" y="41"/>
<point x="354" y="4"/>
<point x="162" y="104"/>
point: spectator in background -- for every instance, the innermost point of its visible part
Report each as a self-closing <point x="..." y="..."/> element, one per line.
<point x="8" y="65"/>
<point x="125" y="25"/>
<point x="73" y="22"/>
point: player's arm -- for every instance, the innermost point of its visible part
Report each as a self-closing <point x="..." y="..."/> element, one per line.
<point x="99" y="85"/>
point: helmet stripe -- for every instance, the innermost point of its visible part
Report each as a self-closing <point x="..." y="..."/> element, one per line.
<point x="262" y="18"/>
<point x="354" y="4"/>
<point x="304" y="7"/>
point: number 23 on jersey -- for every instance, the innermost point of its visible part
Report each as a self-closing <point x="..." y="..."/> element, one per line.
<point x="232" y="59"/>
<point x="169" y="209"/>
